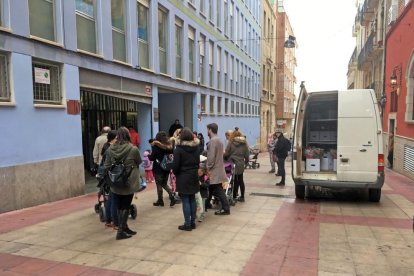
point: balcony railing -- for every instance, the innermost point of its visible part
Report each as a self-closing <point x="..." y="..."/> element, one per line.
<point x="369" y="51"/>
<point x="353" y="58"/>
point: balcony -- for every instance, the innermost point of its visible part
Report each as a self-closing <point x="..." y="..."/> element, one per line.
<point x="367" y="11"/>
<point x="370" y="51"/>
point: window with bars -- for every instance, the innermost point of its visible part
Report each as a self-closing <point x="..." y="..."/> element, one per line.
<point x="4" y="79"/>
<point x="46" y="83"/>
<point x="118" y="30"/>
<point x="86" y="25"/>
<point x="42" y="19"/>
<point x="143" y="34"/>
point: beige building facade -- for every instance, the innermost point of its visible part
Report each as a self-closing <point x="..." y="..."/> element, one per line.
<point x="268" y="76"/>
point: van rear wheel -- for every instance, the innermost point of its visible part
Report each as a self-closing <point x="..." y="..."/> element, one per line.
<point x="300" y="191"/>
<point x="374" y="195"/>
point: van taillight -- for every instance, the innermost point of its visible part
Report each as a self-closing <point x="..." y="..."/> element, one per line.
<point x="380" y="162"/>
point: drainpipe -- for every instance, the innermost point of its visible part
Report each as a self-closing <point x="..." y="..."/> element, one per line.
<point x="384" y="59"/>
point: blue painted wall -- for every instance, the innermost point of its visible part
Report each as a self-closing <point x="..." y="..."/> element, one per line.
<point x="31" y="134"/>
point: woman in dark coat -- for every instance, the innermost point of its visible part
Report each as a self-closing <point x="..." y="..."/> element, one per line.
<point x="122" y="149"/>
<point x="237" y="152"/>
<point x="160" y="147"/>
<point x="185" y="167"/>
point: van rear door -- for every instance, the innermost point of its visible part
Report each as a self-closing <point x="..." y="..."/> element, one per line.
<point x="298" y="133"/>
<point x="357" y="151"/>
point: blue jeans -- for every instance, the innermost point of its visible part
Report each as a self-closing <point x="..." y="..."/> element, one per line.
<point x="111" y="209"/>
<point x="189" y="208"/>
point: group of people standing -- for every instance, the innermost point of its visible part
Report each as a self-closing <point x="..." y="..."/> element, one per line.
<point x="278" y="147"/>
<point x="186" y="147"/>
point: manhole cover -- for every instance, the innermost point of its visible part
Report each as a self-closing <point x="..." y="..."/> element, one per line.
<point x="272" y="195"/>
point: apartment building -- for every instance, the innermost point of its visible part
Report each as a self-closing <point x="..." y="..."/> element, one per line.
<point x="285" y="73"/>
<point x="268" y="80"/>
<point x="68" y="68"/>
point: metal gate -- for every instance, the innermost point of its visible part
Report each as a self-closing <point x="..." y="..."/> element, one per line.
<point x="409" y="158"/>
<point x="101" y="110"/>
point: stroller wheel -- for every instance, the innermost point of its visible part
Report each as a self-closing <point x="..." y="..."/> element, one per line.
<point x="102" y="215"/>
<point x="97" y="207"/>
<point x="133" y="211"/>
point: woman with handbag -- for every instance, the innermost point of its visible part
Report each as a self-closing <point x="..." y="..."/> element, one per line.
<point x="161" y="147"/>
<point x="185" y="167"/>
<point x="123" y="150"/>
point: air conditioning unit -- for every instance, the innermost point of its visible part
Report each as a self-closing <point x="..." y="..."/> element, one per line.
<point x="392" y="14"/>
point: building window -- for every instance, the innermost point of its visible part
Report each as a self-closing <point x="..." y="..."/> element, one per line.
<point x="394" y="102"/>
<point x="202" y="46"/>
<point x="226" y="17"/>
<point x="226" y="82"/>
<point x="4" y="79"/>
<point x="42" y="19"/>
<point x="218" y="14"/>
<point x="191" y="45"/>
<point x="231" y="73"/>
<point x="232" y="107"/>
<point x="219" y="100"/>
<point x="143" y="34"/>
<point x="118" y="30"/>
<point x="210" y="10"/>
<point x="162" y="39"/>
<point x="231" y="21"/>
<point x="210" y="62"/>
<point x="86" y="25"/>
<point x="236" y="76"/>
<point x="211" y="104"/>
<point x="203" y="103"/>
<point x="178" y="48"/>
<point x="1" y="13"/>
<point x="226" y="106"/>
<point x="218" y="67"/>
<point x="46" y="83"/>
<point x="202" y="6"/>
<point x="237" y="108"/>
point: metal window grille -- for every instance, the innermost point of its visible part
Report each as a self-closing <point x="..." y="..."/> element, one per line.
<point x="47" y="93"/>
<point x="4" y="80"/>
<point x="409" y="158"/>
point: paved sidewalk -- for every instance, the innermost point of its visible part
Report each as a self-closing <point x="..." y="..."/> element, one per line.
<point x="270" y="234"/>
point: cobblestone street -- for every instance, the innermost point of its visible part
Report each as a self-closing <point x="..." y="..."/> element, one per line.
<point x="269" y="234"/>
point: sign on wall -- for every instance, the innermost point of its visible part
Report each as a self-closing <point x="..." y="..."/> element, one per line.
<point x="42" y="75"/>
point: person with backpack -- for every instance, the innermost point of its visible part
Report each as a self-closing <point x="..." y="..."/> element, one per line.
<point x="281" y="150"/>
<point x="185" y="166"/>
<point x="161" y="147"/>
<point x="122" y="154"/>
<point x="148" y="164"/>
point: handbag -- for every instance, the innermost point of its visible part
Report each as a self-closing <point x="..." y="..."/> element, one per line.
<point x="166" y="163"/>
<point x="119" y="173"/>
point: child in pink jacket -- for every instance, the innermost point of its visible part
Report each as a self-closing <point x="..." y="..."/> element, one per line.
<point x="148" y="167"/>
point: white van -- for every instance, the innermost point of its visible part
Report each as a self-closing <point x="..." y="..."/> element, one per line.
<point x="338" y="142"/>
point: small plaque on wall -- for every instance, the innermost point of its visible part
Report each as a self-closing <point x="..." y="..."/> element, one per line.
<point x="73" y="107"/>
<point x="156" y="115"/>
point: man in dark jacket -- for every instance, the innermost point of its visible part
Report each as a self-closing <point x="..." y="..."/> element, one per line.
<point x="176" y="125"/>
<point x="281" y="150"/>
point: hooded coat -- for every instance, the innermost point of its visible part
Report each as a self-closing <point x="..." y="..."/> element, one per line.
<point x="185" y="166"/>
<point x="118" y="152"/>
<point x="215" y="164"/>
<point x="237" y="152"/>
<point x="158" y="150"/>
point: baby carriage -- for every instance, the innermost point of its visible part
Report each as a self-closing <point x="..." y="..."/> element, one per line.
<point x="229" y="168"/>
<point x="253" y="156"/>
<point x="103" y="195"/>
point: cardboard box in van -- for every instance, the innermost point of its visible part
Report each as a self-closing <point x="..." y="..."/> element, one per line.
<point x="355" y="135"/>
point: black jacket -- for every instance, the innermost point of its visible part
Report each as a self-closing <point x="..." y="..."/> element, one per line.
<point x="282" y="147"/>
<point x="158" y="150"/>
<point x="185" y="166"/>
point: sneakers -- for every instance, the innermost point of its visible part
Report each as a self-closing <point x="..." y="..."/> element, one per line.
<point x="271" y="171"/>
<point x="222" y="212"/>
<point x="159" y="203"/>
<point x="240" y="199"/>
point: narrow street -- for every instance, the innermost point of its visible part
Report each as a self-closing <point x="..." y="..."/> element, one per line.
<point x="269" y="234"/>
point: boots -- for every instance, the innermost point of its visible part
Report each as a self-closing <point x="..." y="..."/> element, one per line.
<point x="159" y="203"/>
<point x="123" y="217"/>
<point x="172" y="200"/>
<point x="282" y="182"/>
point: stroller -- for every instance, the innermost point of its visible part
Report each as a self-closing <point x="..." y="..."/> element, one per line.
<point x="253" y="156"/>
<point x="103" y="195"/>
<point x="229" y="168"/>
